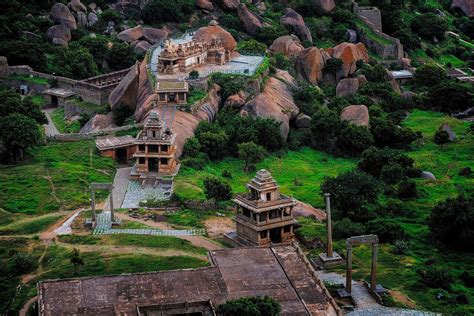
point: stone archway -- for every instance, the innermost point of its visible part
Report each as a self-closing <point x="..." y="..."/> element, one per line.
<point x="372" y="240"/>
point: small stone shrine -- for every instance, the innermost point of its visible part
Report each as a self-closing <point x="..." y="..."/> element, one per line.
<point x="264" y="215"/>
<point x="156" y="151"/>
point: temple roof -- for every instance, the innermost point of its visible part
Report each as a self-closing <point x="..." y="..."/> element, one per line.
<point x="153" y="121"/>
<point x="263" y="180"/>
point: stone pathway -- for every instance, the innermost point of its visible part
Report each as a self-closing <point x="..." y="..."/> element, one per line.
<point x="104" y="227"/>
<point x="65" y="228"/>
<point x="360" y="294"/>
<point x="135" y="193"/>
<point x="120" y="188"/>
<point x="389" y="311"/>
<point x="50" y="129"/>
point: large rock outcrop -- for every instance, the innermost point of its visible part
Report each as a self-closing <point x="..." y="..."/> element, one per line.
<point x="349" y="54"/>
<point x="215" y="32"/>
<point x="4" y="68"/>
<point x="126" y="92"/>
<point x="205" y="5"/>
<point x="324" y="6"/>
<point x="295" y="24"/>
<point x="99" y="122"/>
<point x="253" y="23"/>
<point x="59" y="31"/>
<point x="131" y="34"/>
<point x="310" y="63"/>
<point x="289" y="45"/>
<point x="347" y="86"/>
<point x="275" y="102"/>
<point x="77" y="6"/>
<point x="154" y="36"/>
<point x="466" y="6"/>
<point x="60" y="14"/>
<point x="230" y="5"/>
<point x="356" y="114"/>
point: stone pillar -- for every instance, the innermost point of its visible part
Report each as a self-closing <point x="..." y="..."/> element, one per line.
<point x="373" y="270"/>
<point x="349" y="268"/>
<point x="329" y="225"/>
<point x="94" y="217"/>
<point x="112" y="215"/>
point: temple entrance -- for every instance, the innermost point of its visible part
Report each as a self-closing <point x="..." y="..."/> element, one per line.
<point x="121" y="155"/>
<point x="171" y="98"/>
<point x="54" y="101"/>
<point x="275" y="235"/>
<point x="152" y="164"/>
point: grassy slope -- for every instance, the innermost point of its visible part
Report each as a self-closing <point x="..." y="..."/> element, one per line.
<point x="62" y="124"/>
<point x="399" y="272"/>
<point x="308" y="167"/>
<point x="68" y="167"/>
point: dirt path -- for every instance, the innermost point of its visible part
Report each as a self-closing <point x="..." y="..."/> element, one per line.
<point x="132" y="250"/>
<point x="25" y="307"/>
<point x="199" y="241"/>
<point x="398" y="296"/>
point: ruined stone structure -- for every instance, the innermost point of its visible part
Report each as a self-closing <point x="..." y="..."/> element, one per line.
<point x="264" y="215"/>
<point x="119" y="148"/>
<point x="170" y="92"/>
<point x="373" y="15"/>
<point x="184" y="56"/>
<point x="156" y="151"/>
<point x="281" y="272"/>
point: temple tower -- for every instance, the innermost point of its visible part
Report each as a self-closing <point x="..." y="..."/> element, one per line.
<point x="264" y="215"/>
<point x="156" y="151"/>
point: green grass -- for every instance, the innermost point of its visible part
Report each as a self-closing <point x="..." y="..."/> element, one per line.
<point x="95" y="108"/>
<point x="29" y="227"/>
<point x="371" y="34"/>
<point x="195" y="219"/>
<point x="62" y="124"/>
<point x="30" y="79"/>
<point x="38" y="100"/>
<point x="299" y="173"/>
<point x="68" y="167"/>
<point x="450" y="59"/>
<point x="196" y="95"/>
<point x="399" y="272"/>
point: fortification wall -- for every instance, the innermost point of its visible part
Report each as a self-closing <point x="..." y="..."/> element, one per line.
<point x="386" y="51"/>
<point x="373" y="15"/>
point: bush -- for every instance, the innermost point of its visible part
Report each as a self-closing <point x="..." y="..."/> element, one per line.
<point x="345" y="228"/>
<point x="159" y="11"/>
<point x="251" y="47"/>
<point x="428" y="25"/>
<point x="387" y="230"/>
<point x="436" y="277"/>
<point x="22" y="263"/>
<point x="217" y="189"/>
<point x="120" y="113"/>
<point x="400" y="247"/>
<point x="251" y="154"/>
<point x="452" y="222"/>
<point x="196" y="162"/>
<point x="407" y="190"/>
<point x="250" y="306"/>
<point x="441" y="137"/>
<point x="428" y="75"/>
<point x="191" y="147"/>
<point x="451" y="96"/>
<point x="354" y="139"/>
<point x="194" y="74"/>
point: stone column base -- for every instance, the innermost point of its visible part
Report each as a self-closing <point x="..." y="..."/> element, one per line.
<point x="330" y="261"/>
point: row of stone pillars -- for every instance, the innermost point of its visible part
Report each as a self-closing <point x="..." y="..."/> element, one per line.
<point x="102" y="186"/>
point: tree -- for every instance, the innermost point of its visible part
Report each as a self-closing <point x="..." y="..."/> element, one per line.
<point x="345" y="228"/>
<point x="354" y="139"/>
<point x="120" y="56"/>
<point x="216" y="189"/>
<point x="191" y="147"/>
<point x="11" y="102"/>
<point x="214" y="144"/>
<point x="18" y="133"/>
<point x="22" y="263"/>
<point x="159" y="11"/>
<point x="441" y="137"/>
<point x="353" y="194"/>
<point x="96" y="45"/>
<point x="120" y="113"/>
<point x="250" y="306"/>
<point x="76" y="259"/>
<point x="387" y="230"/>
<point x="333" y="65"/>
<point x="22" y="52"/>
<point x="451" y="96"/>
<point x="452" y="222"/>
<point x="429" y="25"/>
<point x="251" y="154"/>
<point x="325" y="125"/>
<point x="386" y="133"/>
<point x="251" y="47"/>
<point x="428" y="75"/>
<point x="74" y="62"/>
<point x="378" y="162"/>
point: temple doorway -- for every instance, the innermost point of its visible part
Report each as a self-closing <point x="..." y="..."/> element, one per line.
<point x="121" y="155"/>
<point x="54" y="101"/>
<point x="152" y="164"/>
<point x="275" y="235"/>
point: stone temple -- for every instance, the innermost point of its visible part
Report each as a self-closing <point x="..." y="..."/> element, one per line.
<point x="155" y="151"/>
<point x="264" y="215"/>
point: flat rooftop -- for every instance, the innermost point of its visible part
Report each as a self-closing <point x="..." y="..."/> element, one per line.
<point x="59" y="92"/>
<point x="279" y="271"/>
<point x="164" y="86"/>
<point x="402" y="74"/>
<point x="111" y="142"/>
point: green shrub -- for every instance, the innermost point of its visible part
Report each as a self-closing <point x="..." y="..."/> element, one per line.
<point x="346" y="228"/>
<point x="250" y="306"/>
<point x="400" y="247"/>
<point x="22" y="263"/>
<point x="217" y="189"/>
<point x="387" y="230"/>
<point x="436" y="277"/>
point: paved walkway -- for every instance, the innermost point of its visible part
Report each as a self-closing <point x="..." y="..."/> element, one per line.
<point x="389" y="311"/>
<point x="120" y="188"/>
<point x="50" y="129"/>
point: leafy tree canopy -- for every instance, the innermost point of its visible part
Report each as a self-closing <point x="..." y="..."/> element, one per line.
<point x="250" y="306"/>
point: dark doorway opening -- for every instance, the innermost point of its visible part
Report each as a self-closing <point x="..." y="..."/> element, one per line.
<point x="153" y="164"/>
<point x="171" y="97"/>
<point x="121" y="155"/>
<point x="54" y="101"/>
<point x="275" y="235"/>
